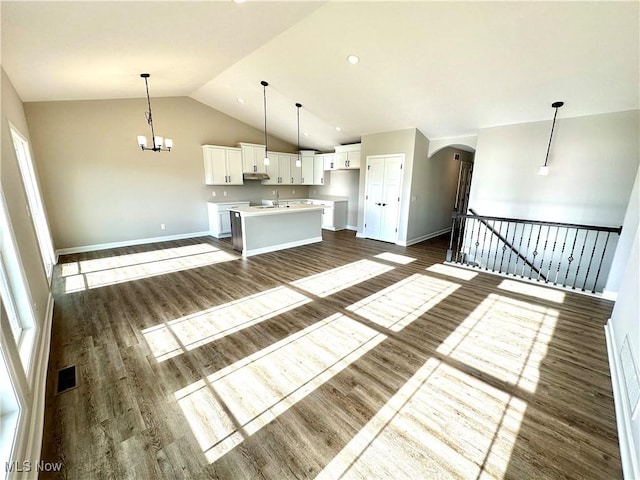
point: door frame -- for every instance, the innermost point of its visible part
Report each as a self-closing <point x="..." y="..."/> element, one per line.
<point x="402" y="157"/>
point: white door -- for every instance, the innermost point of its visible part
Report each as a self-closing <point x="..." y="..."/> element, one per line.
<point x="383" y="186"/>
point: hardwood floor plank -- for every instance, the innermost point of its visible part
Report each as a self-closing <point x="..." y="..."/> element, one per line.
<point x="272" y="368"/>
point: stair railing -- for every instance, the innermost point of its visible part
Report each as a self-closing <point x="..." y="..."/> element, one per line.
<point x="561" y="254"/>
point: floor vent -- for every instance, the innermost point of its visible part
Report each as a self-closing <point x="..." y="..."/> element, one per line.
<point x="66" y="379"/>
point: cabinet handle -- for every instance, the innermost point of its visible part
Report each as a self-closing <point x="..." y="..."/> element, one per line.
<point x="255" y="168"/>
<point x="322" y="180"/>
<point x="302" y="179"/>
<point x="291" y="179"/>
<point x="331" y="164"/>
<point x="229" y="178"/>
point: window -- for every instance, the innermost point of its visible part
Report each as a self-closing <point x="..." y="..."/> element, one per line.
<point x="16" y="301"/>
<point x="34" y="200"/>
<point x="9" y="413"/>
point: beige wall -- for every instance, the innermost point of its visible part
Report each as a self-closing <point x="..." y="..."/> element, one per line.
<point x="401" y="141"/>
<point x="99" y="187"/>
<point x="31" y="386"/>
<point x="14" y="193"/>
<point x="342" y="183"/>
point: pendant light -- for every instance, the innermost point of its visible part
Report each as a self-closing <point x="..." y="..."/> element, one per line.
<point x="156" y="141"/>
<point x="298" y="160"/>
<point x="544" y="170"/>
<point x="264" y="92"/>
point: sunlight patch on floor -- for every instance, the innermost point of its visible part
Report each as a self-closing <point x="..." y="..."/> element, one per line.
<point x="505" y="338"/>
<point x="461" y="273"/>
<point x="332" y="281"/>
<point x="237" y="401"/>
<point x="159" y="266"/>
<point x="442" y="423"/>
<point x="395" y="258"/>
<point x="115" y="261"/>
<point x="536" y="291"/>
<point x="187" y="333"/>
<point x="398" y="305"/>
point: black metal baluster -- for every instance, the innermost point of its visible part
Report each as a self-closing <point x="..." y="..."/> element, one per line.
<point x="484" y="239"/>
<point x="526" y="255"/>
<point x="504" y="247"/>
<point x="453" y="234"/>
<point x="495" y="258"/>
<point x="584" y="244"/>
<point x="553" y="251"/>
<point x="564" y="244"/>
<point x="535" y="251"/>
<point x="570" y="259"/>
<point x="515" y="267"/>
<point x="473" y="227"/>
<point x="544" y="249"/>
<point x="604" y="251"/>
<point x="475" y="255"/>
<point x="461" y="229"/>
<point x="593" y="251"/>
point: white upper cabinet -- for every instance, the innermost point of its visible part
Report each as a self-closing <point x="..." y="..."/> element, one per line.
<point x="253" y="158"/>
<point x="318" y="170"/>
<point x="296" y="172"/>
<point x="306" y="170"/>
<point x="329" y="161"/>
<point x="222" y="165"/>
<point x="347" y="157"/>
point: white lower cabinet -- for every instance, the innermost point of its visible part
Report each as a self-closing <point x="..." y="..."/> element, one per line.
<point x="219" y="219"/>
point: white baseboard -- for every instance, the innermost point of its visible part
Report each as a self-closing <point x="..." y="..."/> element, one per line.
<point x="610" y="295"/>
<point x="424" y="237"/>
<point x="281" y="246"/>
<point x="360" y="235"/>
<point x="129" y="243"/>
<point x="352" y="227"/>
<point x="630" y="467"/>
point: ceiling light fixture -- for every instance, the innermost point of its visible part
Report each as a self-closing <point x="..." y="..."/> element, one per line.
<point x="298" y="160"/>
<point x="156" y="141"/>
<point x="353" y="59"/>
<point x="264" y="93"/>
<point x="544" y="170"/>
<point x="338" y="129"/>
<point x="241" y="100"/>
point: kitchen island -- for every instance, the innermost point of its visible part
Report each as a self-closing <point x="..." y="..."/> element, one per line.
<point x="267" y="228"/>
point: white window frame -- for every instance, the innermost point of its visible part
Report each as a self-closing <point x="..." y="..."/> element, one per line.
<point x="10" y="413"/>
<point x="14" y="292"/>
<point x="34" y="200"/>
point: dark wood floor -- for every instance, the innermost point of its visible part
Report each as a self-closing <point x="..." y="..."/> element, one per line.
<point x="346" y="359"/>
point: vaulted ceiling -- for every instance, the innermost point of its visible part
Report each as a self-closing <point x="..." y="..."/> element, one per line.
<point x="446" y="68"/>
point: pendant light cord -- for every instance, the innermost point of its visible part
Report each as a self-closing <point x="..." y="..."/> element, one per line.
<point x="264" y="91"/>
<point x="555" y="105"/>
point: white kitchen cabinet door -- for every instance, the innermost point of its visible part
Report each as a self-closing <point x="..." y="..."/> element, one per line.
<point x="273" y="169"/>
<point x="307" y="171"/>
<point x="353" y="159"/>
<point x="296" y="172"/>
<point x="284" y="170"/>
<point x="222" y="165"/>
<point x="252" y="158"/>
<point x="330" y="161"/>
<point x="318" y="170"/>
<point x="383" y="185"/>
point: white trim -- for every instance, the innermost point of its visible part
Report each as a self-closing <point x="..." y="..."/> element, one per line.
<point x="352" y="227"/>
<point x="36" y="427"/>
<point x="413" y="241"/>
<point x="630" y="467"/>
<point x="610" y="295"/>
<point x="129" y="243"/>
<point x="360" y="234"/>
<point x="281" y="246"/>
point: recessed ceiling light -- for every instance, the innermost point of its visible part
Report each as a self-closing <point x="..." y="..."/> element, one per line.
<point x="239" y="1"/>
<point x="240" y="100"/>
<point x="306" y="134"/>
<point x="338" y="129"/>
<point x="353" y="59"/>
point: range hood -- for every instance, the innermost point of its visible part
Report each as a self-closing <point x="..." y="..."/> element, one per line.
<point x="255" y="176"/>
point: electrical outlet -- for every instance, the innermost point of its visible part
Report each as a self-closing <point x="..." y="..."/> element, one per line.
<point x="162" y="226"/>
<point x="273" y="193"/>
<point x="224" y="193"/>
<point x="213" y="194"/>
<point x="293" y="192"/>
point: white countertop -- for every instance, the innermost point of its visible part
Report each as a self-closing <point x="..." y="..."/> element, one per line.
<point x="269" y="210"/>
